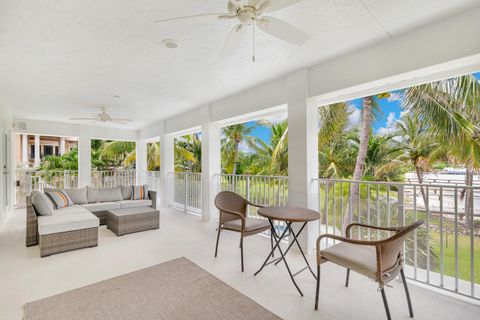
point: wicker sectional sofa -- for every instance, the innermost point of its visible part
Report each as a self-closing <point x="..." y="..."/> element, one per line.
<point x="76" y="226"/>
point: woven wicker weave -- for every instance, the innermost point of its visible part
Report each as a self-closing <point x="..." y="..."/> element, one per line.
<point x="137" y="221"/>
<point x="68" y="241"/>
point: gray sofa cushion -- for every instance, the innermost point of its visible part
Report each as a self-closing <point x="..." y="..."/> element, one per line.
<point x="65" y="222"/>
<point x="101" y="206"/>
<point x="42" y="204"/>
<point x="104" y="194"/>
<point x="135" y="203"/>
<point x="78" y="196"/>
<point x="126" y="192"/>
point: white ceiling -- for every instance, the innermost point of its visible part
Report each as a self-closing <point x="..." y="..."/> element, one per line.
<point x="61" y="59"/>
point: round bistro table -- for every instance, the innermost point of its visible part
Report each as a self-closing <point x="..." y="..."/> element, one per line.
<point x="288" y="215"/>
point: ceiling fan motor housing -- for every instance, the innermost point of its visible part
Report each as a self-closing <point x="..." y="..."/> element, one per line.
<point x="247" y="15"/>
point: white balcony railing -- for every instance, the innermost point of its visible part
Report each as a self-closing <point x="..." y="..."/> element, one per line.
<point x="444" y="252"/>
<point x="185" y="191"/>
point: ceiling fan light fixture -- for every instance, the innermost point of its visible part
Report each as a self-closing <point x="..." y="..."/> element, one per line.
<point x="170" y="44"/>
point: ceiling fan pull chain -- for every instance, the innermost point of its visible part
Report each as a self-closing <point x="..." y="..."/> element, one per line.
<point x="253" y="56"/>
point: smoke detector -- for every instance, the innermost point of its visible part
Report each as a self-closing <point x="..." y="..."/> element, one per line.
<point x="170" y="44"/>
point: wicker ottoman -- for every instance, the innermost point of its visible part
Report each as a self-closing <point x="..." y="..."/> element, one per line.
<point x="130" y="220"/>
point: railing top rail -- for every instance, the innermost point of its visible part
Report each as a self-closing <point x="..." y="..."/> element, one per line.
<point x="399" y="183"/>
<point x="250" y="176"/>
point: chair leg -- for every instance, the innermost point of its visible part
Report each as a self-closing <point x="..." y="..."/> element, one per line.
<point x="348" y="278"/>
<point x="385" y="303"/>
<point x="241" y="251"/>
<point x="407" y="293"/>
<point x="218" y="238"/>
<point x="318" y="287"/>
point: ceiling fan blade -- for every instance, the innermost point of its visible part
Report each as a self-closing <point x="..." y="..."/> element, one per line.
<point x="121" y="119"/>
<point x="256" y="3"/>
<point x="274" y="5"/>
<point x="232" y="7"/>
<point x="118" y="121"/>
<point x="282" y="30"/>
<point x="233" y="40"/>
<point x="264" y="5"/>
<point x="207" y="17"/>
<point x="88" y="118"/>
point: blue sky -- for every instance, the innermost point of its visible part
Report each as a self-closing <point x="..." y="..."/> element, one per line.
<point x="391" y="109"/>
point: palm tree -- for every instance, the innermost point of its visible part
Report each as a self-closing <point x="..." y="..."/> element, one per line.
<point x="419" y="147"/>
<point x="117" y="152"/>
<point x="451" y="110"/>
<point x="272" y="156"/>
<point x="188" y="151"/>
<point x="336" y="157"/>
<point x="234" y="135"/>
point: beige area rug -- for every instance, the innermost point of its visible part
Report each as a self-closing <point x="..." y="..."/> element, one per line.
<point x="177" y="289"/>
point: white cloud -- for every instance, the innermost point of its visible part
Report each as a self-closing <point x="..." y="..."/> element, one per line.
<point x="395" y="96"/>
<point x="389" y="126"/>
<point x="355" y="117"/>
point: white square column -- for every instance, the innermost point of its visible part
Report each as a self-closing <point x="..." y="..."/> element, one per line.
<point x="24" y="149"/>
<point x="61" y="149"/>
<point x="211" y="166"/>
<point x="167" y="166"/>
<point x="37" y="150"/>
<point x="84" y="157"/>
<point x="141" y="160"/>
<point x="302" y="153"/>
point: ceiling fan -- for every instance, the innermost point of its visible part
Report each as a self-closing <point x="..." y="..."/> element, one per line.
<point x="104" y="117"/>
<point x="250" y="13"/>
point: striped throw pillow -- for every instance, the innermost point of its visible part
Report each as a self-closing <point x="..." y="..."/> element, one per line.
<point x="60" y="199"/>
<point x="140" y="192"/>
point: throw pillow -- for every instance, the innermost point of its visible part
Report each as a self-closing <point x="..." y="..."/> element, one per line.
<point x="60" y="199"/>
<point x="140" y="192"/>
<point x="104" y="194"/>
<point x="42" y="204"/>
<point x="78" y="195"/>
<point x="127" y="192"/>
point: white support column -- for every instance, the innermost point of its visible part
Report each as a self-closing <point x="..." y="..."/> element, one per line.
<point x="37" y="150"/>
<point x="141" y="160"/>
<point x="210" y="163"/>
<point x="61" y="149"/>
<point x="302" y="152"/>
<point x="24" y="149"/>
<point x="84" y="157"/>
<point x="167" y="157"/>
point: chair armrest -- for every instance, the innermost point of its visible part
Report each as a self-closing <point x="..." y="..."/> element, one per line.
<point x="255" y="205"/>
<point x="153" y="196"/>
<point x="347" y="230"/>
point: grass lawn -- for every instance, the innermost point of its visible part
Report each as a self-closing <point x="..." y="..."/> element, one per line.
<point x="463" y="256"/>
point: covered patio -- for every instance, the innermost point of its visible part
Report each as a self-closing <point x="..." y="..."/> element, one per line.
<point x="272" y="289"/>
<point x="355" y="50"/>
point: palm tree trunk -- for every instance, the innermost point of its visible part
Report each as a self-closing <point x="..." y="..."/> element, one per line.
<point x="362" y="154"/>
<point x="235" y="158"/>
<point x="420" y="182"/>
<point x="468" y="198"/>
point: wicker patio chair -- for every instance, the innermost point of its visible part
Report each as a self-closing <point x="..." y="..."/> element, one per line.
<point x="380" y="260"/>
<point x="233" y="217"/>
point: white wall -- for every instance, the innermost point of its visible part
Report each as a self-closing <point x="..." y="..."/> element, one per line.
<point x="6" y="180"/>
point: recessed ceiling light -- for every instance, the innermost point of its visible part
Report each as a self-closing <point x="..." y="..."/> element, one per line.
<point x="170" y="43"/>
